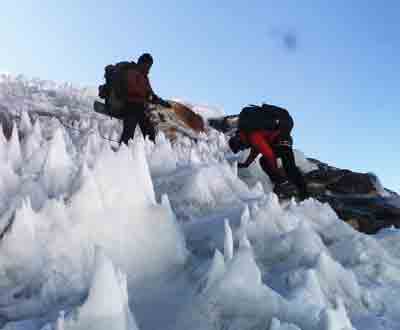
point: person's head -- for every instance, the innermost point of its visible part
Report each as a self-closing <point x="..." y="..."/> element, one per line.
<point x="236" y="144"/>
<point x="145" y="62"/>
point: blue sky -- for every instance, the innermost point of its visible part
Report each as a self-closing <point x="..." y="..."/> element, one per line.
<point x="334" y="64"/>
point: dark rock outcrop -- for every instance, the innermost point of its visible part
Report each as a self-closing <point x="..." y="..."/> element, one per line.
<point x="356" y="197"/>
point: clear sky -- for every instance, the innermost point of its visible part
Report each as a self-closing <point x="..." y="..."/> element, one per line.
<point x="334" y="64"/>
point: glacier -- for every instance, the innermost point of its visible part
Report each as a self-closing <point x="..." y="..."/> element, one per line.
<point x="168" y="236"/>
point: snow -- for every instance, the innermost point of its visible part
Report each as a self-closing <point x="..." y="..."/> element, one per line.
<point x="58" y="166"/>
<point x="161" y="236"/>
<point x="228" y="244"/>
<point x="107" y="304"/>
<point x="14" y="149"/>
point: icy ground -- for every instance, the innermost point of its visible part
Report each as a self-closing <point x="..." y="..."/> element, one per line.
<point x="173" y="237"/>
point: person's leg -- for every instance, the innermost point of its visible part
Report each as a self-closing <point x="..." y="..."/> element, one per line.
<point x="128" y="131"/>
<point x="146" y="126"/>
<point x="282" y="187"/>
<point x="275" y="177"/>
<point x="285" y="153"/>
<point x="151" y="132"/>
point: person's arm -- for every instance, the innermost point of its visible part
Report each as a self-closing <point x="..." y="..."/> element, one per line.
<point x="151" y="95"/>
<point x="250" y="159"/>
<point x="259" y="143"/>
<point x="154" y="98"/>
<point x="285" y="152"/>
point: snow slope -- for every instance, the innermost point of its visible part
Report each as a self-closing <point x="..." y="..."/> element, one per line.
<point x="170" y="236"/>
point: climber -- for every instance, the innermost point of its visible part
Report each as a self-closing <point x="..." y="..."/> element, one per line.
<point x="128" y="93"/>
<point x="138" y="96"/>
<point x="266" y="130"/>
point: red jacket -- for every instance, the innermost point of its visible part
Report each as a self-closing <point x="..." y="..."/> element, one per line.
<point x="138" y="87"/>
<point x="261" y="143"/>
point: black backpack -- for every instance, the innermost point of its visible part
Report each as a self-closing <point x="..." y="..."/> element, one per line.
<point x="265" y="117"/>
<point x="115" y="89"/>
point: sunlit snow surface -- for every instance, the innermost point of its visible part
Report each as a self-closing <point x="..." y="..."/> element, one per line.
<point x="172" y="237"/>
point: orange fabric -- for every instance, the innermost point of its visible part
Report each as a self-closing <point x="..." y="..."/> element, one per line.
<point x="138" y="87"/>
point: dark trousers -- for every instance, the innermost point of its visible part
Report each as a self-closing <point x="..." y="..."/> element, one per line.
<point x="285" y="153"/>
<point x="135" y="113"/>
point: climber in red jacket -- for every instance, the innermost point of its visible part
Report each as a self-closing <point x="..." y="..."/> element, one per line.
<point x="272" y="142"/>
<point x="139" y="94"/>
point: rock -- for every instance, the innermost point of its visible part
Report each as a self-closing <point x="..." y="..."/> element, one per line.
<point x="179" y="119"/>
<point x="187" y="116"/>
<point x="353" y="183"/>
<point x="325" y="175"/>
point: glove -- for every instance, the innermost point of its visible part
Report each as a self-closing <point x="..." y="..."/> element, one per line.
<point x="164" y="103"/>
<point x="285" y="189"/>
<point x="158" y="100"/>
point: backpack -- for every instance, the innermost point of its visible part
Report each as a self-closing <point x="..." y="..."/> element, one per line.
<point x="265" y="117"/>
<point x="114" y="90"/>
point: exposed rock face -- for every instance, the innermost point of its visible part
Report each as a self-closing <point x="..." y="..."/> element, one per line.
<point x="186" y="115"/>
<point x="179" y="119"/>
<point x="357" y="198"/>
<point x="353" y="183"/>
<point x="340" y="181"/>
